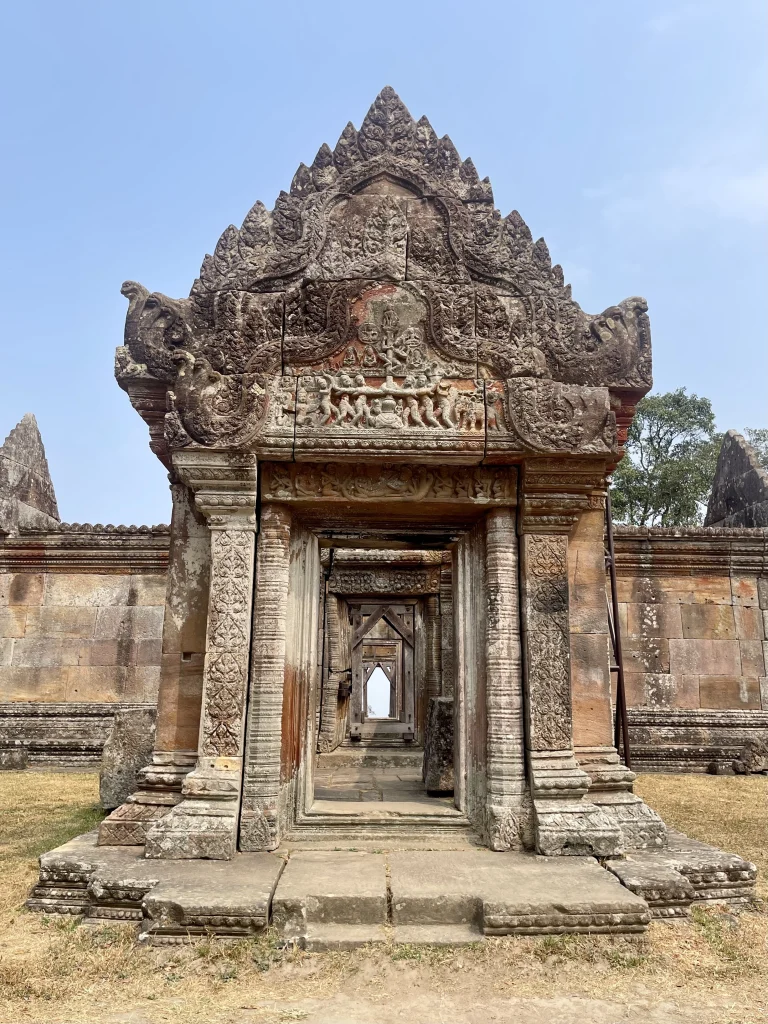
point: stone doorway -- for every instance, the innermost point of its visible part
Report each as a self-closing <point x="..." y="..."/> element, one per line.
<point x="385" y="676"/>
<point x="382" y="621"/>
<point x="378" y="762"/>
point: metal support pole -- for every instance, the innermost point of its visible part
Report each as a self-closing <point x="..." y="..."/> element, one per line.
<point x="621" y="727"/>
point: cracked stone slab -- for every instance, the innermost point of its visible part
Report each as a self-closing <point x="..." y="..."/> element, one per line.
<point x="511" y="893"/>
<point x="171" y="900"/>
<point x="322" y="889"/>
<point x="686" y="872"/>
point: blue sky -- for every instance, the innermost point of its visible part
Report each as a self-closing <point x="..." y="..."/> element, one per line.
<point x="630" y="135"/>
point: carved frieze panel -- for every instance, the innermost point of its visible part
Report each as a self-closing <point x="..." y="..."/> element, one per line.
<point x="533" y="415"/>
<point x="376" y="483"/>
<point x="424" y="417"/>
<point x="371" y="328"/>
<point x="344" y="580"/>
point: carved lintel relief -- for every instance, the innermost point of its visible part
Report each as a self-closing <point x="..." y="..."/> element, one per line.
<point x="204" y="824"/>
<point x="336" y="482"/>
<point x="425" y="417"/>
<point x="565" y="823"/>
<point x="381" y="580"/>
<point x="261" y="790"/>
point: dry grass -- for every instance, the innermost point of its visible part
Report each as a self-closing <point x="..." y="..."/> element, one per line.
<point x="712" y="972"/>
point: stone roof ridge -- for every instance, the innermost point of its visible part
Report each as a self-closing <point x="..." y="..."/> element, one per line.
<point x="740" y="488"/>
<point x="27" y="496"/>
<point x="162" y="528"/>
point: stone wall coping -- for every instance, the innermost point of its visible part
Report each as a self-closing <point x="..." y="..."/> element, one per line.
<point x="79" y="708"/>
<point x="87" y="548"/>
<point x="758" y="534"/>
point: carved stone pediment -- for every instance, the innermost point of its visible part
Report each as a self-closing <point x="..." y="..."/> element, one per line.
<point x="386" y="260"/>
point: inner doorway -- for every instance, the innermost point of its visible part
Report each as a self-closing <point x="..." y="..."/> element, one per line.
<point x="383" y="706"/>
<point x="379" y="652"/>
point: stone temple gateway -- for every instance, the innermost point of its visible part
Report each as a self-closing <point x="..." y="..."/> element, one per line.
<point x="388" y="428"/>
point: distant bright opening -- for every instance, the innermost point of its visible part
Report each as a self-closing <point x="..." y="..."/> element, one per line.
<point x="378" y="694"/>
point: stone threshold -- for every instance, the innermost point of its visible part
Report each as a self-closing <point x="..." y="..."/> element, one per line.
<point x="339" y="899"/>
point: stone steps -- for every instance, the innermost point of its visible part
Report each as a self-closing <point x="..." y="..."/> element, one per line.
<point x="338" y="899"/>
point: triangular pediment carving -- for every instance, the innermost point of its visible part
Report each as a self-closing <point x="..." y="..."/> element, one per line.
<point x="385" y="268"/>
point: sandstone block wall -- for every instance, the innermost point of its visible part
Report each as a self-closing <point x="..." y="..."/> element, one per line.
<point x="693" y="611"/>
<point x="81" y="615"/>
<point x="81" y="618"/>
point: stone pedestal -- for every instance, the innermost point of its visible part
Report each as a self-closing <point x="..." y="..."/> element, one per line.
<point x="127" y="751"/>
<point x="437" y="770"/>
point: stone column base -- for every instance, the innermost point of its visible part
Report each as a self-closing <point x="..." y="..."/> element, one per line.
<point x="159" y="790"/>
<point x="565" y="823"/>
<point x="203" y="826"/>
<point x="611" y="790"/>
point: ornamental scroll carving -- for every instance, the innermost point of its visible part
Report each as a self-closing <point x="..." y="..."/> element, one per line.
<point x="545" y="611"/>
<point x="305" y="482"/>
<point x="226" y="664"/>
<point x="546" y="416"/>
<point x="385" y="260"/>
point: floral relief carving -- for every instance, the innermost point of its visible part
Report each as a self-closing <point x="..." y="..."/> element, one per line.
<point x="545" y="609"/>
<point x="297" y="482"/>
<point x="228" y="637"/>
<point x="385" y="581"/>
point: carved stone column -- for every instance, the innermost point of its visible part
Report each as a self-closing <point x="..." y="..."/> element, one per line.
<point x="446" y="624"/>
<point x="259" y="824"/>
<point x="204" y="824"/>
<point x="181" y="678"/>
<point x="507" y="805"/>
<point x="565" y="823"/>
<point x="434" y="668"/>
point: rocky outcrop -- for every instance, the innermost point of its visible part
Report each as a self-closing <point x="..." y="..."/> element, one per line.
<point x="27" y="498"/>
<point x="740" y="488"/>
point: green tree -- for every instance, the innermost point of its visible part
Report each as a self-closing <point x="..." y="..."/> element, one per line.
<point x="758" y="438"/>
<point x="666" y="476"/>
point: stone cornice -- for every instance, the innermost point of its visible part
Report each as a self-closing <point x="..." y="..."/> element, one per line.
<point x="690" y="551"/>
<point x="85" y="548"/>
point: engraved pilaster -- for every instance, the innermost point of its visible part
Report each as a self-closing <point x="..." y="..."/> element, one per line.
<point x="204" y="824"/>
<point x="565" y="823"/>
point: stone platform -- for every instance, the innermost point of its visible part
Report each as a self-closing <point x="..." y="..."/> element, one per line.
<point x="339" y="899"/>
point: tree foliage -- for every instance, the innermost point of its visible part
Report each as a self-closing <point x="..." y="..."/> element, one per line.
<point x="666" y="476"/>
